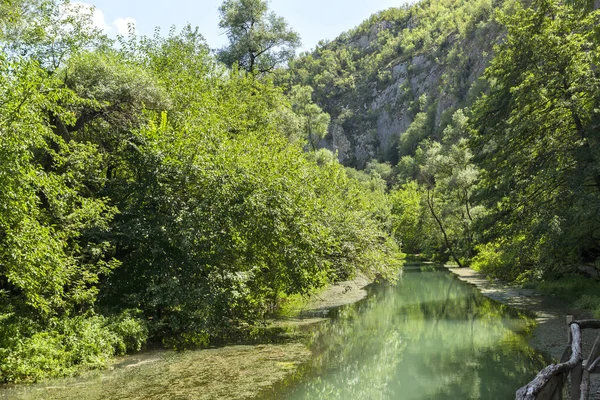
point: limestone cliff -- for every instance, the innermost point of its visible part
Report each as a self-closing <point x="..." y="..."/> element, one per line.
<point x="403" y="70"/>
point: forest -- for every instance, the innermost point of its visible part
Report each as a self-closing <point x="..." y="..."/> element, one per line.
<point x="154" y="191"/>
<point x="482" y="118"/>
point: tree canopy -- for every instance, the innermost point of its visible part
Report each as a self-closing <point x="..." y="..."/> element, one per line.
<point x="259" y="40"/>
<point x="149" y="194"/>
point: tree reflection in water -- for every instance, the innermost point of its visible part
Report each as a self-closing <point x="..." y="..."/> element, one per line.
<point x="430" y="337"/>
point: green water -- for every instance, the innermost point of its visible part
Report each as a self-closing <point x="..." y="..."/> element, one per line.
<point x="430" y="337"/>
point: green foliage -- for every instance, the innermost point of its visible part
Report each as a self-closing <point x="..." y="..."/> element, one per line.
<point x="384" y="170"/>
<point x="45" y="262"/>
<point x="419" y="130"/>
<point x="407" y="217"/>
<point x="537" y="138"/>
<point x="440" y="208"/>
<point x="372" y="77"/>
<point x="505" y="259"/>
<point x="258" y="40"/>
<point x="65" y="345"/>
<point x="313" y="121"/>
<point x="48" y="31"/>
<point x="322" y="157"/>
<point x="587" y="5"/>
<point x="53" y="250"/>
<point x="590" y="302"/>
<point x="150" y="178"/>
<point x="568" y="286"/>
<point x="149" y="193"/>
<point x="577" y="290"/>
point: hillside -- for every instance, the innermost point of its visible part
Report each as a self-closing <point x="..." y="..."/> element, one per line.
<point x="399" y="76"/>
<point x="488" y="115"/>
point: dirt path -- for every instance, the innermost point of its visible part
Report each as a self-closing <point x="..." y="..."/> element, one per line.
<point x="550" y="334"/>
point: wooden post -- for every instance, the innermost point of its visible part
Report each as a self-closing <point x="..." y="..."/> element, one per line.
<point x="594" y="355"/>
<point x="584" y="388"/>
<point x="576" y="375"/>
<point x="566" y="354"/>
<point x="576" y="372"/>
<point x="546" y="384"/>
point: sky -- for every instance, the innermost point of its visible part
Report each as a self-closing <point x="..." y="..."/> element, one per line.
<point x="314" y="20"/>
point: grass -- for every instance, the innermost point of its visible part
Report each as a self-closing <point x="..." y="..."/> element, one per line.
<point x="577" y="290"/>
<point x="292" y="305"/>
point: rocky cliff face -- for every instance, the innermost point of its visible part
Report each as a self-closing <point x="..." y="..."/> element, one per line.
<point x="373" y="81"/>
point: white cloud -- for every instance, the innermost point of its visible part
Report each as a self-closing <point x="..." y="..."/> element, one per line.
<point x="122" y="25"/>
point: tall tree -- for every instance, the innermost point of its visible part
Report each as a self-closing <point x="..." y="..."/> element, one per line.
<point x="538" y="137"/>
<point x="259" y="39"/>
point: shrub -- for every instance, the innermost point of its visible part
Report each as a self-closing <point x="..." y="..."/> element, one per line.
<point x="66" y="345"/>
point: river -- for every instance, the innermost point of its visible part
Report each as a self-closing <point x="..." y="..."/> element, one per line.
<point x="431" y="336"/>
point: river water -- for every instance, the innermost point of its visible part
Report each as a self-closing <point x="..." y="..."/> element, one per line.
<point x="431" y="336"/>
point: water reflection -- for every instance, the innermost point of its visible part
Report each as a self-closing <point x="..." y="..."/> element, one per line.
<point x="430" y="337"/>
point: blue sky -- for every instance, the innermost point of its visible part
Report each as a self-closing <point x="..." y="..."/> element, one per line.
<point x="314" y="20"/>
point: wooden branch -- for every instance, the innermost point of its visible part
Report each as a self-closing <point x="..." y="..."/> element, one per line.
<point x="589" y="323"/>
<point x="431" y="204"/>
<point x="530" y="391"/>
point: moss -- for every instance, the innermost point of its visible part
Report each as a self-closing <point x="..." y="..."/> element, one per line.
<point x="233" y="372"/>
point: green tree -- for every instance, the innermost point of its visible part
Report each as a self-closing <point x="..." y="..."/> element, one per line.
<point x="55" y="246"/>
<point x="407" y="217"/>
<point x="314" y="121"/>
<point x="448" y="179"/>
<point x="444" y="179"/>
<point x="147" y="190"/>
<point x="49" y="31"/>
<point x="211" y="234"/>
<point x="537" y="139"/>
<point x="259" y="40"/>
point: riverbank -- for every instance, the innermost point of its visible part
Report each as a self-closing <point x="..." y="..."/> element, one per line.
<point x="231" y="372"/>
<point x="550" y="334"/>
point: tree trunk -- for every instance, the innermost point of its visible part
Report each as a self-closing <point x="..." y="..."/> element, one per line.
<point x="430" y="204"/>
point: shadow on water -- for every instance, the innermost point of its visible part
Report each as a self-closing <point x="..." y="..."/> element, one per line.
<point x="429" y="337"/>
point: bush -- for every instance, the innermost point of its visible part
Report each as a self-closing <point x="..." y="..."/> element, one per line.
<point x="130" y="331"/>
<point x="66" y="345"/>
